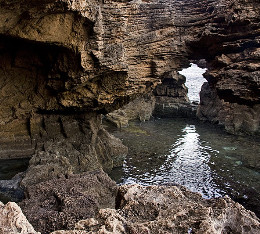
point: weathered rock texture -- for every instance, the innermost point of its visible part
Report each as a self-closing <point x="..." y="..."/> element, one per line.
<point x="232" y="97"/>
<point x="13" y="221"/>
<point x="141" y="108"/>
<point x="171" y="98"/>
<point x="72" y="144"/>
<point x="169" y="209"/>
<point x="60" y="203"/>
<point x="68" y="58"/>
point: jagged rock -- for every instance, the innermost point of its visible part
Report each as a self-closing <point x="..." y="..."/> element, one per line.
<point x="60" y="203"/>
<point x="167" y="107"/>
<point x="236" y="118"/>
<point x="139" y="109"/>
<point x="13" y="221"/>
<point x="71" y="57"/>
<point x="171" y="98"/>
<point x="233" y="73"/>
<point x="169" y="209"/>
<point x="72" y="144"/>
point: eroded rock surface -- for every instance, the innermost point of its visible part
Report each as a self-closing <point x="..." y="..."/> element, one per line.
<point x="171" y="98"/>
<point x="141" y="108"/>
<point x="72" y="57"/>
<point x="71" y="144"/>
<point x="60" y="203"/>
<point x="13" y="221"/>
<point x="169" y="209"/>
<point x="232" y="96"/>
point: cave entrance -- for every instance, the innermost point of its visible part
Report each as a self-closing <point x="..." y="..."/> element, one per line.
<point x="194" y="81"/>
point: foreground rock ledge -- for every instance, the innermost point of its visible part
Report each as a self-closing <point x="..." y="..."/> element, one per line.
<point x="60" y="203"/>
<point x="152" y="209"/>
<point x="169" y="209"/>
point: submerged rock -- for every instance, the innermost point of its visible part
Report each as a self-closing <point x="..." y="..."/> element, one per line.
<point x="60" y="203"/>
<point x="169" y="209"/>
<point x="13" y="221"/>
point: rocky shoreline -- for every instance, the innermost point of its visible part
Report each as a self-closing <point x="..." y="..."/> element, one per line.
<point x="81" y="207"/>
<point x="66" y="63"/>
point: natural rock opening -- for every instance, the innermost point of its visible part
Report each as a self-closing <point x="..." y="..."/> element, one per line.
<point x="194" y="81"/>
<point x="66" y="62"/>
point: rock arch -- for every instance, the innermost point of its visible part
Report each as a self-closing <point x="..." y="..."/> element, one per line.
<point x="110" y="51"/>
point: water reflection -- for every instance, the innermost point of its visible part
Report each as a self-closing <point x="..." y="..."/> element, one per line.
<point x="189" y="164"/>
<point x="202" y="158"/>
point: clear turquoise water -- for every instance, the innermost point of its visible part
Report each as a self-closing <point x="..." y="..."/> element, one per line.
<point x="200" y="156"/>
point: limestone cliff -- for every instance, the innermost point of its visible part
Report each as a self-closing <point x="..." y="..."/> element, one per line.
<point x="232" y="44"/>
<point x="63" y="63"/>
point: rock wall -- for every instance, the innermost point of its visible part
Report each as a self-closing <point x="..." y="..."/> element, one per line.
<point x="62" y="60"/>
<point x="231" y="97"/>
<point x="171" y="98"/>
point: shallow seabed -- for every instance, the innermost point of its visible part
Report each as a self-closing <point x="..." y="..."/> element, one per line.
<point x="199" y="156"/>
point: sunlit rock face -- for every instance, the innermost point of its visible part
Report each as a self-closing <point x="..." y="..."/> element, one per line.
<point x="76" y="58"/>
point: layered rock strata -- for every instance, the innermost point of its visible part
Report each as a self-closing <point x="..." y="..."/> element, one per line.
<point x="171" y="98"/>
<point x="65" y="57"/>
<point x="168" y="209"/>
<point x="231" y="97"/>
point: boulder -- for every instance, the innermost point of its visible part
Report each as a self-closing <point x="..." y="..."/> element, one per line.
<point x="139" y="109"/>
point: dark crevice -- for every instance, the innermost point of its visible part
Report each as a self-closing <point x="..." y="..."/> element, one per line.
<point x="62" y="130"/>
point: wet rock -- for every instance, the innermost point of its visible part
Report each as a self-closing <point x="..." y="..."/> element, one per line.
<point x="13" y="221"/>
<point x="60" y="203"/>
<point x="169" y="209"/>
<point x="10" y="190"/>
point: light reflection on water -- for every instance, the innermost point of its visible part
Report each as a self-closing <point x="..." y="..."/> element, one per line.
<point x="186" y="157"/>
<point x="202" y="158"/>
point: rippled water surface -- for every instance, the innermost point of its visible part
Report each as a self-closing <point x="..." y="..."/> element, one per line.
<point x="201" y="157"/>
